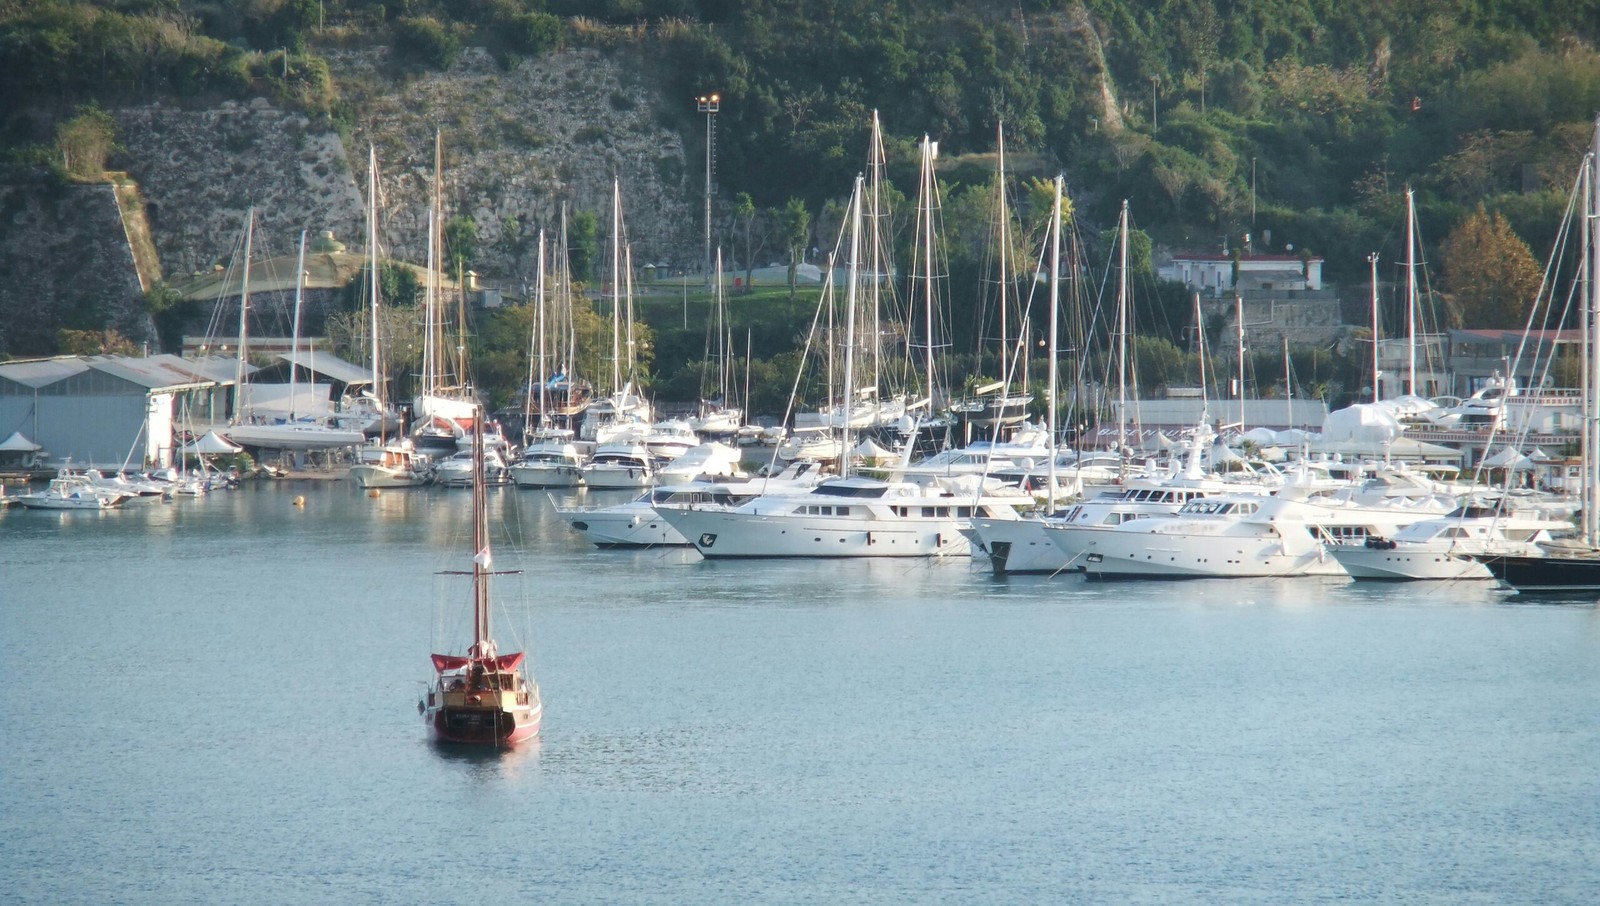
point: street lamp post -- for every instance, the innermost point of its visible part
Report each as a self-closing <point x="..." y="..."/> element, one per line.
<point x="708" y="104"/>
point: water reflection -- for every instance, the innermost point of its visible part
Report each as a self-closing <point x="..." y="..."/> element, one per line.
<point x="489" y="762"/>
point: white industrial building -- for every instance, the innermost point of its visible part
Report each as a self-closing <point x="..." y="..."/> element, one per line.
<point x="102" y="411"/>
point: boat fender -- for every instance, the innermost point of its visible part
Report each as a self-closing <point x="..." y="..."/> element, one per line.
<point x="421" y="708"/>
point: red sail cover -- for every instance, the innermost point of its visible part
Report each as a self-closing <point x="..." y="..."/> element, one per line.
<point x="443" y="662"/>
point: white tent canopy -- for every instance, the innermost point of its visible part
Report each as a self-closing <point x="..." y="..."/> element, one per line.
<point x="1363" y="422"/>
<point x="18" y="443"/>
<point x="212" y="443"/>
<point x="1507" y="458"/>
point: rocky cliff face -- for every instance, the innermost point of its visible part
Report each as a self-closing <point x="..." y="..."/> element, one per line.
<point x="200" y="171"/>
<point x="64" y="260"/>
<point x="517" y="143"/>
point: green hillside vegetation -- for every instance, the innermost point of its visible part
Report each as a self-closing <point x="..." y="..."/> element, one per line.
<point x="1300" y="119"/>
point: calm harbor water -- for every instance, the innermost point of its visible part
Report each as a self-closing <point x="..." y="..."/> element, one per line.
<point x="214" y="701"/>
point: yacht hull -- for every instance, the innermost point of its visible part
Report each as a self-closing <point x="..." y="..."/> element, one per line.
<point x="482" y="726"/>
<point x="367" y="475"/>
<point x="730" y="535"/>
<point x="1546" y="573"/>
<point x="1116" y="555"/>
<point x="545" y="475"/>
<point x="1020" y="546"/>
<point x="635" y="526"/>
<point x="1399" y="564"/>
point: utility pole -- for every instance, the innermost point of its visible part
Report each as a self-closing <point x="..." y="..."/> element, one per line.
<point x="708" y="104"/>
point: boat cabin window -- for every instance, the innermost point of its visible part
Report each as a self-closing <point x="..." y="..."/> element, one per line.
<point x="1203" y="507"/>
<point x="814" y="509"/>
<point x="1343" y="534"/>
<point x="845" y="490"/>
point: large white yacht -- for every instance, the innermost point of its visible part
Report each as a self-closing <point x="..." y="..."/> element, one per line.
<point x="1443" y="548"/>
<point x="849" y="517"/>
<point x="1251" y="536"/>
<point x="637" y="523"/>
<point x="1036" y="546"/>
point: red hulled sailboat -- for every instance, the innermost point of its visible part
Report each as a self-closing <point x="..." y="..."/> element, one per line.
<point x="483" y="698"/>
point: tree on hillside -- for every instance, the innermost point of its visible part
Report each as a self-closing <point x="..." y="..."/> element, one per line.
<point x="1490" y="272"/>
<point x="85" y="141"/>
<point x="583" y="245"/>
<point x="744" y="213"/>
<point x="795" y="228"/>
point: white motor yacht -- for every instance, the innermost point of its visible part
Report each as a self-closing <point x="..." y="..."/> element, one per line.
<point x="1444" y="548"/>
<point x="638" y="523"/>
<point x="72" y="492"/>
<point x="619" y="466"/>
<point x="849" y="517"/>
<point x="709" y="460"/>
<point x="1249" y="536"/>
<point x="456" y="471"/>
<point x="392" y="465"/>
<point x="551" y="461"/>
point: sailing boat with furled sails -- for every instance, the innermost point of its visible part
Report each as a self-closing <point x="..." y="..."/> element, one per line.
<point x="446" y="405"/>
<point x="484" y="697"/>
<point x="1575" y="566"/>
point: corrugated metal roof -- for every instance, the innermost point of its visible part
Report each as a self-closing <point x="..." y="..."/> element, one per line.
<point x="158" y="372"/>
<point x="328" y="365"/>
<point x="42" y="372"/>
<point x="215" y="368"/>
<point x="148" y="373"/>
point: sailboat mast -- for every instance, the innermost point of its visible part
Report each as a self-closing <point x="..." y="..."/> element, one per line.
<point x="436" y="262"/>
<point x="430" y="360"/>
<point x="879" y="271"/>
<point x="1005" y="243"/>
<point x="1055" y="312"/>
<point x="481" y="559"/>
<point x="1591" y="458"/>
<point x="1288" y="386"/>
<point x="722" y="337"/>
<point x="1372" y="259"/>
<point x="372" y="250"/>
<point x="1411" y="291"/>
<point x="616" y="286"/>
<point x="1238" y="302"/>
<point x="569" y="323"/>
<point x="850" y="327"/>
<point x="627" y="299"/>
<point x="294" y="342"/>
<point x="1200" y="336"/>
<point x="1122" y="332"/>
<point x="536" y="351"/>
<point x="928" y="153"/>
<point x="244" y="316"/>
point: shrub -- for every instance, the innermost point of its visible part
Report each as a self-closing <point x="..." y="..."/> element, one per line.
<point x="535" y="33"/>
<point x="427" y="41"/>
